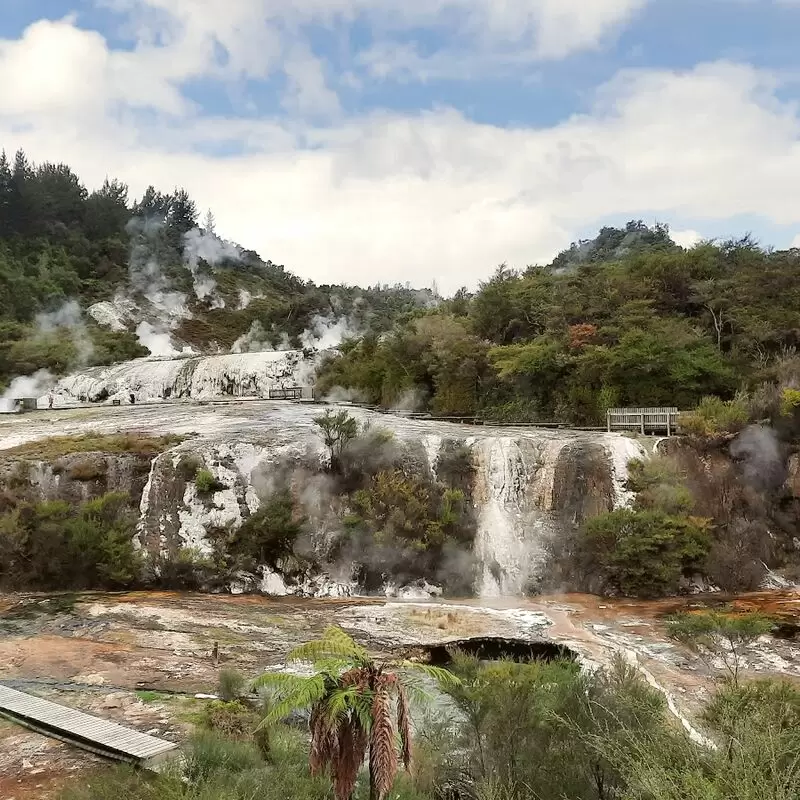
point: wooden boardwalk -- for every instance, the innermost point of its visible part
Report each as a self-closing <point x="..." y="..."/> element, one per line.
<point x="83" y="730"/>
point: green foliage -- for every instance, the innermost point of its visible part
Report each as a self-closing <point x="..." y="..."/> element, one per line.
<point x="185" y="568"/>
<point x="555" y="713"/>
<point x="715" y="635"/>
<point x="404" y="525"/>
<point x="714" y="417"/>
<point x="337" y="429"/>
<point x="230" y="718"/>
<point x="790" y="401"/>
<point x="230" y="684"/>
<point x="648" y="324"/>
<point x="268" y="535"/>
<point x="206" y="482"/>
<point x="645" y="553"/>
<point x="659" y="486"/>
<point x="54" y="545"/>
<point x="756" y="757"/>
<point x="776" y="704"/>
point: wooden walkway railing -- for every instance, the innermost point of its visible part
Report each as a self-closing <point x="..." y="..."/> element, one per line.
<point x="643" y="420"/>
<point x="97" y="735"/>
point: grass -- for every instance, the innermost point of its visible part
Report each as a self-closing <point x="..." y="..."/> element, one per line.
<point x="87" y="470"/>
<point x="216" y="768"/>
<point x="150" y="697"/>
<point x="460" y="623"/>
<point x="139" y="444"/>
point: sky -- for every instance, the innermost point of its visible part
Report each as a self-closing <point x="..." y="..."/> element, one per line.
<point x="383" y="141"/>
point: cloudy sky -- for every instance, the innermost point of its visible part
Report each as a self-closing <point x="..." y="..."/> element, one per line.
<point x="413" y="140"/>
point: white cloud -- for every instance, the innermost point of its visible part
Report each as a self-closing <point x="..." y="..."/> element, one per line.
<point x="795" y="241"/>
<point x="308" y="92"/>
<point x="56" y="67"/>
<point x="252" y="32"/>
<point x="384" y="196"/>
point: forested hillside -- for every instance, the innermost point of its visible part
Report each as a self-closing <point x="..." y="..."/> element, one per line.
<point x="628" y="318"/>
<point x="63" y="248"/>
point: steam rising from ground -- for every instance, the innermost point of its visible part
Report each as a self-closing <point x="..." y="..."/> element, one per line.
<point x="257" y="340"/>
<point x="69" y="316"/>
<point x="200" y="245"/>
<point x="324" y="333"/>
<point x="26" y="386"/>
<point x="202" y="249"/>
<point x="327" y="332"/>
<point x="759" y="450"/>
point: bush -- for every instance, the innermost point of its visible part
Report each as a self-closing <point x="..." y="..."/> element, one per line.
<point x="658" y="484"/>
<point x="269" y="535"/>
<point x="206" y="483"/>
<point x="715" y="417"/>
<point x="790" y="401"/>
<point x="406" y="526"/>
<point x="88" y="470"/>
<point x="211" y="755"/>
<point x="718" y="636"/>
<point x="230" y="684"/>
<point x="229" y="718"/>
<point x="185" y="569"/>
<point x="774" y="703"/>
<point x="645" y="553"/>
<point x="54" y="545"/>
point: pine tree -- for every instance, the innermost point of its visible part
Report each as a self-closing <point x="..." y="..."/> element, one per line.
<point x="183" y="212"/>
<point x="209" y="223"/>
<point x="6" y="196"/>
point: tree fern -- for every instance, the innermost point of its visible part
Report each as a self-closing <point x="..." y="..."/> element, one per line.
<point x="354" y="702"/>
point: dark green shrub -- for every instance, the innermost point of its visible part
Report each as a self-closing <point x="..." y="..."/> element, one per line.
<point x="55" y="545"/>
<point x="269" y="535"/>
<point x="230" y="684"/>
<point x="206" y="483"/>
<point x="645" y="553"/>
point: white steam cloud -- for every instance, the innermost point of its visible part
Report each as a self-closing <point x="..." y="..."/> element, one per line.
<point x="157" y="341"/>
<point x="258" y="340"/>
<point x="207" y="246"/>
<point x="328" y="332"/>
<point x="69" y="316"/>
<point x="26" y="386"/>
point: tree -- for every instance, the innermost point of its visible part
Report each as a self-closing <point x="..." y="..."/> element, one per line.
<point x="183" y="212"/>
<point x="338" y="429"/>
<point x="210" y="223"/>
<point x="6" y="195"/>
<point x="358" y="706"/>
<point x="644" y="553"/>
<point x="713" y="635"/>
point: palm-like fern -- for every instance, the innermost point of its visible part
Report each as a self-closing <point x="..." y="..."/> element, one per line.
<point x="358" y="705"/>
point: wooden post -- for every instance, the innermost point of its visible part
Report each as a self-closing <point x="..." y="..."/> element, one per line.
<point x="608" y="420"/>
<point x="642" y="418"/>
<point x="669" y="421"/>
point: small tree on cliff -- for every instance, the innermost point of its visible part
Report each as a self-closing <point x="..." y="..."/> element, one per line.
<point x="337" y="429"/>
<point x="357" y="704"/>
<point x="714" y="635"/>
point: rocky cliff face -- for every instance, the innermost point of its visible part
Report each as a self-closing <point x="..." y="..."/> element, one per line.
<point x="528" y="486"/>
<point x="191" y="377"/>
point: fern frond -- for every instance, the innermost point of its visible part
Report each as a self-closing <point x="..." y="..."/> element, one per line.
<point x="442" y="676"/>
<point x="404" y="725"/>
<point x="280" y="681"/>
<point x="334" y="643"/>
<point x="302" y="695"/>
